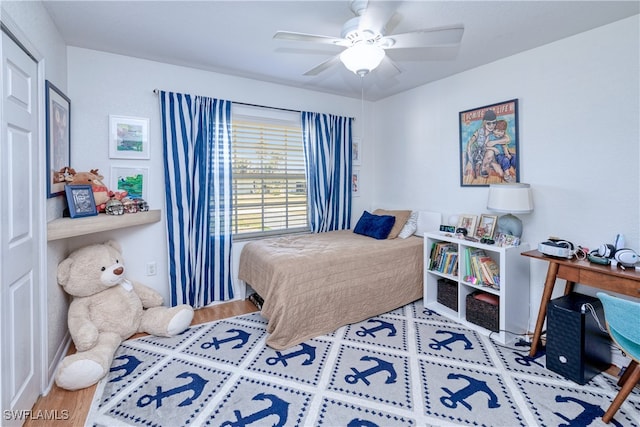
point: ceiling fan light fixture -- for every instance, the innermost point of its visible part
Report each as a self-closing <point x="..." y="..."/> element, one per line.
<point x="361" y="58"/>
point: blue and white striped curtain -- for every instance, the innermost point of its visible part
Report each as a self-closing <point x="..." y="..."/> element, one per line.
<point x="196" y="133"/>
<point x="327" y="151"/>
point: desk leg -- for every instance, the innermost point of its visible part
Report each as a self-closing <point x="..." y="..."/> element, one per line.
<point x="568" y="287"/>
<point x="549" y="283"/>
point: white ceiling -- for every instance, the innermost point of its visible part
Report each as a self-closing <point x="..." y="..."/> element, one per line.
<point x="236" y="37"/>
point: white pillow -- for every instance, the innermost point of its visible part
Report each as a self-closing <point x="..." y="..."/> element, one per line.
<point x="428" y="222"/>
<point x="410" y="226"/>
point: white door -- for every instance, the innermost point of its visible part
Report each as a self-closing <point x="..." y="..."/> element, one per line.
<point x="21" y="202"/>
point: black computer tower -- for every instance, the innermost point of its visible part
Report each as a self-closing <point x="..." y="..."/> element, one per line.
<point x="576" y="347"/>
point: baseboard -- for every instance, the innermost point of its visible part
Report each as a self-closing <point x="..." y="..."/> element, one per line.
<point x="62" y="351"/>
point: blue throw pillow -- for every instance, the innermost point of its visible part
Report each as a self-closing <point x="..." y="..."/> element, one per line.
<point x="376" y="226"/>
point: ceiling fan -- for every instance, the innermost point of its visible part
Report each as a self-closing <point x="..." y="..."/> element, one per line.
<point x="366" y="41"/>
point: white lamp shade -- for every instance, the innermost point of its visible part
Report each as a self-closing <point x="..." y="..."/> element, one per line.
<point x="362" y="57"/>
<point x="511" y="198"/>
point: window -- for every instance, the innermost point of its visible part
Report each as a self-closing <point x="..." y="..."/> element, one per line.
<point x="269" y="183"/>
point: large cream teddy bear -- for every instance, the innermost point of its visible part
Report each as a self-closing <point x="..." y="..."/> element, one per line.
<point x="107" y="309"/>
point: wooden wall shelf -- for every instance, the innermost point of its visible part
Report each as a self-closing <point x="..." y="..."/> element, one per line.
<point x="63" y="228"/>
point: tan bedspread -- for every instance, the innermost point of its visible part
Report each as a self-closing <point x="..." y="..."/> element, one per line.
<point x="314" y="283"/>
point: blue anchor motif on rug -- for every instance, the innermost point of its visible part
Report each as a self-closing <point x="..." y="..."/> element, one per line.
<point x="196" y="385"/>
<point x="363" y="332"/>
<point x="526" y="360"/>
<point x="306" y="350"/>
<point x="239" y="335"/>
<point x="129" y="366"/>
<point x="380" y="366"/>
<point x="357" y="422"/>
<point x="453" y="337"/>
<point x="278" y="407"/>
<point x="428" y="312"/>
<point x="590" y="413"/>
<point x="474" y="386"/>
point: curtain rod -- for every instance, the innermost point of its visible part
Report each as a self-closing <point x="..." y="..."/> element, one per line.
<point x="156" y="91"/>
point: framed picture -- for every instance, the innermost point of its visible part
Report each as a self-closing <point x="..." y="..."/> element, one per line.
<point x="80" y="200"/>
<point x="506" y="240"/>
<point x="128" y="137"/>
<point x="134" y="181"/>
<point x="489" y="145"/>
<point x="486" y="226"/>
<point x="58" y="125"/>
<point x="469" y="222"/>
<point x="355" y="183"/>
<point x="356" y="151"/>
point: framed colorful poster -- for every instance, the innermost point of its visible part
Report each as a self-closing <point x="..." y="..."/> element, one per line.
<point x="356" y="152"/>
<point x="355" y="183"/>
<point x="128" y="137"/>
<point x="489" y="145"/>
<point x="58" y="123"/>
<point x="134" y="181"/>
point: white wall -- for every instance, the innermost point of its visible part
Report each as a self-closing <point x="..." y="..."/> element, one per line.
<point x="579" y="139"/>
<point x="102" y="83"/>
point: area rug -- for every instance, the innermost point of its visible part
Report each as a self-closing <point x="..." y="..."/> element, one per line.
<point x="407" y="367"/>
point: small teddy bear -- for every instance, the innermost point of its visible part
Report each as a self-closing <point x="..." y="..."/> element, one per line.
<point x="107" y="309"/>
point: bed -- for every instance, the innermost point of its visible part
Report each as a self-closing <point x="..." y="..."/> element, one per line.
<point x="314" y="283"/>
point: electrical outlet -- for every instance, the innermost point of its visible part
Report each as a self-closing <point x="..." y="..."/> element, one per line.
<point x="151" y="268"/>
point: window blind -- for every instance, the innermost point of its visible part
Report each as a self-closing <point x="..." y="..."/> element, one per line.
<point x="269" y="184"/>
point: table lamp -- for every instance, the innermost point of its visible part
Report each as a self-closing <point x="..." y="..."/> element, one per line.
<point x="510" y="198"/>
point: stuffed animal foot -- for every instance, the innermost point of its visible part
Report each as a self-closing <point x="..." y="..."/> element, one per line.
<point x="86" y="368"/>
<point x="166" y="322"/>
<point x="79" y="373"/>
<point x="181" y="320"/>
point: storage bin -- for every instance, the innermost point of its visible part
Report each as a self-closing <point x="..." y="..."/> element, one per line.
<point x="483" y="313"/>
<point x="448" y="293"/>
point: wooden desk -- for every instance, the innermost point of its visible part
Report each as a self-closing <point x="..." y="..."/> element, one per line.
<point x="605" y="277"/>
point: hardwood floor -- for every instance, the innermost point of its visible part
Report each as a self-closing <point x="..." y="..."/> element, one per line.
<point x="70" y="408"/>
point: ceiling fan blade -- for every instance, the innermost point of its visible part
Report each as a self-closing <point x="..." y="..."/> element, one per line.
<point x="377" y="15"/>
<point x="388" y="68"/>
<point x="323" y="66"/>
<point x="313" y="38"/>
<point x="430" y="53"/>
<point x="425" y="38"/>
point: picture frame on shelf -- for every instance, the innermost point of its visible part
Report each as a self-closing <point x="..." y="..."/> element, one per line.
<point x="489" y="152"/>
<point x="80" y="201"/>
<point x="58" y="125"/>
<point x="468" y="222"/>
<point x="128" y="137"/>
<point x="506" y="240"/>
<point x="356" y="151"/>
<point x="486" y="226"/>
<point x="133" y="180"/>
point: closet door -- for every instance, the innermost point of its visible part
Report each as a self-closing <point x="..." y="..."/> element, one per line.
<point x="21" y="204"/>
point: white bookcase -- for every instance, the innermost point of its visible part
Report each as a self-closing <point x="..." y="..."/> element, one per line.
<point x="513" y="292"/>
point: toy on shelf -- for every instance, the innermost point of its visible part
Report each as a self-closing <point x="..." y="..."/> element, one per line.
<point x="94" y="179"/>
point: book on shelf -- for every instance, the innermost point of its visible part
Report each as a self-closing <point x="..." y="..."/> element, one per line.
<point x="481" y="268"/>
<point x="444" y="258"/>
